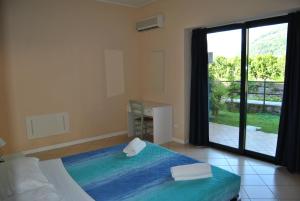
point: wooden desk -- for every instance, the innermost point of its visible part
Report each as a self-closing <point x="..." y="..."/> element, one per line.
<point x="162" y="121"/>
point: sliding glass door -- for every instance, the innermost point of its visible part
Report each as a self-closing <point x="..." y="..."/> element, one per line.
<point x="246" y="75"/>
<point x="266" y="62"/>
<point x="224" y="86"/>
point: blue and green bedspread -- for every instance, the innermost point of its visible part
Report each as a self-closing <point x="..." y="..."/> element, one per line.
<point x="107" y="174"/>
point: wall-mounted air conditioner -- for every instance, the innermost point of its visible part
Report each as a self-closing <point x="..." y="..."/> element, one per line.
<point x="150" y="23"/>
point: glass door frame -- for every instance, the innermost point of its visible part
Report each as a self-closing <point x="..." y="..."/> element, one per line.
<point x="244" y="82"/>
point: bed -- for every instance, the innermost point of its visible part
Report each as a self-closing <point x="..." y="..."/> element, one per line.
<point x="107" y="174"/>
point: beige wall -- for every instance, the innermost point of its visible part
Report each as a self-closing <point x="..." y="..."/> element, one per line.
<point x="54" y="62"/>
<point x="4" y="114"/>
<point x="183" y="14"/>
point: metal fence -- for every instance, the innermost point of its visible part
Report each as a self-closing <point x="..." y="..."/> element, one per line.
<point x="265" y="91"/>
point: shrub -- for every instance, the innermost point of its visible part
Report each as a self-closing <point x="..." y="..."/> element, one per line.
<point x="217" y="93"/>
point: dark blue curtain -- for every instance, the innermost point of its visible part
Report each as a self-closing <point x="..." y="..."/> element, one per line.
<point x="199" y="89"/>
<point x="288" y="145"/>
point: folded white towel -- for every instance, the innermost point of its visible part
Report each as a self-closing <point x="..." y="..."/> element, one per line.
<point x="193" y="177"/>
<point x="191" y="171"/>
<point x="134" y="147"/>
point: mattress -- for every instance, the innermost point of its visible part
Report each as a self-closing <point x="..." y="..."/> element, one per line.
<point x="66" y="187"/>
<point x="107" y="174"/>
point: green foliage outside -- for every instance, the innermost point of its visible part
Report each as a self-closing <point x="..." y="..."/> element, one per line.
<point x="225" y="69"/>
<point x="272" y="42"/>
<point x="266" y="67"/>
<point x="260" y="68"/>
<point x="266" y="63"/>
<point x="216" y="100"/>
<point x="268" y="122"/>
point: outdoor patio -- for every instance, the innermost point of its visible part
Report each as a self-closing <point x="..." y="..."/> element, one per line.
<point x="257" y="141"/>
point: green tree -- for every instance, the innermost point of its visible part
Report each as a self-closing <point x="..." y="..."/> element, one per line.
<point x="218" y="69"/>
<point x="281" y="63"/>
<point x="224" y="68"/>
<point x="233" y="76"/>
<point x="217" y="93"/>
<point x="265" y="67"/>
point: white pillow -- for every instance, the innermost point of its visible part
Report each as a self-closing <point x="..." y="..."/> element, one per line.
<point x="5" y="189"/>
<point x="24" y="174"/>
<point x="45" y="193"/>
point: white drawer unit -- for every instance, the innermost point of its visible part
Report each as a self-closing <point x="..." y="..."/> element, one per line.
<point x="162" y="121"/>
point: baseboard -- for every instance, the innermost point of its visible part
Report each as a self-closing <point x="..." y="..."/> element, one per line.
<point x="74" y="142"/>
<point x="180" y="141"/>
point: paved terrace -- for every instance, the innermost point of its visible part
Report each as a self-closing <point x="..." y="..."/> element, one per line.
<point x="257" y="141"/>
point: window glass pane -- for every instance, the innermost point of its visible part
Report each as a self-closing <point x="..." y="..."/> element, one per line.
<point x="224" y="52"/>
<point x="266" y="65"/>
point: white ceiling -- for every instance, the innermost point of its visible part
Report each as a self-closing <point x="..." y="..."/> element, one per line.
<point x="129" y="3"/>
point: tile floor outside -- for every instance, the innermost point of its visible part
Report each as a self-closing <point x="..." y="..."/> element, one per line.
<point x="260" y="181"/>
<point x="255" y="140"/>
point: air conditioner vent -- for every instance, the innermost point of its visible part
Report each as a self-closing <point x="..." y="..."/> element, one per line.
<point x="150" y="23"/>
<point x="47" y="125"/>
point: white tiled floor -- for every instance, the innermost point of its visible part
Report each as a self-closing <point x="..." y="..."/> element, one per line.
<point x="255" y="140"/>
<point x="261" y="181"/>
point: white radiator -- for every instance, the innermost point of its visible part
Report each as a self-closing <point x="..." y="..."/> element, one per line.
<point x="47" y="125"/>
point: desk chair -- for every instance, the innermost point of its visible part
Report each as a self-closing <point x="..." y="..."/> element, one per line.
<point x="142" y="124"/>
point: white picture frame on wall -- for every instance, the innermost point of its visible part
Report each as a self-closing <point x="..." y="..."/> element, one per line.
<point x="114" y="72"/>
